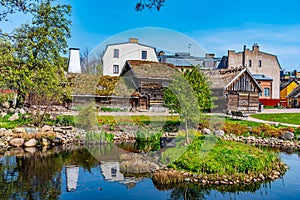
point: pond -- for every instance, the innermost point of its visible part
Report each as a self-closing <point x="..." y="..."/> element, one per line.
<point x="94" y="173"/>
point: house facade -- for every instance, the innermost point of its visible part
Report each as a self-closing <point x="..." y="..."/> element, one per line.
<point x="265" y="83"/>
<point x="234" y="89"/>
<point x="116" y="55"/>
<point x="257" y="62"/>
<point x="286" y="87"/>
<point x="293" y="99"/>
<point x="149" y="80"/>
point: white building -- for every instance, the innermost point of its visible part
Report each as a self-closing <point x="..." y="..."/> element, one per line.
<point x="116" y="55"/>
<point x="74" y="61"/>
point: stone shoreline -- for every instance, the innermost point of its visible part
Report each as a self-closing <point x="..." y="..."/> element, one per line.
<point x="170" y="176"/>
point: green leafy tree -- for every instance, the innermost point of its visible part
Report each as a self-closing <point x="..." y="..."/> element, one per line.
<point x="33" y="64"/>
<point x="189" y="95"/>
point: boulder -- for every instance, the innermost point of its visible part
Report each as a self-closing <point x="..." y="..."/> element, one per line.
<point x="16" y="142"/>
<point x="31" y="149"/>
<point x="45" y="142"/>
<point x="30" y="130"/>
<point x="14" y="117"/>
<point x="3" y="114"/>
<point x="206" y="131"/>
<point x="288" y="136"/>
<point x="30" y="143"/>
<point x="5" y="104"/>
<point x="46" y="128"/>
<point x="11" y="111"/>
<point x="22" y="111"/>
<point x="19" y="130"/>
<point x="219" y="133"/>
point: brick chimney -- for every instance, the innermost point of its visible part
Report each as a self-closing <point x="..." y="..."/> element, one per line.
<point x="255" y="48"/>
<point x="134" y="40"/>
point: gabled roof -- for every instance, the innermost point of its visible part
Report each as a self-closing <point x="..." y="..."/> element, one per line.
<point x="284" y="84"/>
<point x="223" y="78"/>
<point x="149" y="69"/>
<point x="295" y="93"/>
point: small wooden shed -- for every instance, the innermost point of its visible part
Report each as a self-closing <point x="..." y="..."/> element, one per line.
<point x="234" y="89"/>
<point x="149" y="79"/>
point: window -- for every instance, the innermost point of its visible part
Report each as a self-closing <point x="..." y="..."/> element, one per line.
<point x="259" y="63"/>
<point x="266" y="92"/>
<point x="144" y="55"/>
<point x="116" y="53"/>
<point x="116" y="69"/>
<point x="250" y="63"/>
<point x="113" y="172"/>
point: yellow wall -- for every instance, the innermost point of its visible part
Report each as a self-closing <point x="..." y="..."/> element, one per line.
<point x="288" y="89"/>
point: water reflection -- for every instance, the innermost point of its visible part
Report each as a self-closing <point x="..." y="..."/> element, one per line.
<point x="107" y="170"/>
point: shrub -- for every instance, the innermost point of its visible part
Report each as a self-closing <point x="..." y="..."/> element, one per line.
<point x="65" y="120"/>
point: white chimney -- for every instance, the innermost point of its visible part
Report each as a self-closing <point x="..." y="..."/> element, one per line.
<point x="74" y="61"/>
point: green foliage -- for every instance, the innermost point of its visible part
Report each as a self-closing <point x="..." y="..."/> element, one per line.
<point x="65" y="120"/>
<point x="32" y="62"/>
<point x="99" y="137"/>
<point x="87" y="118"/>
<point x="108" y="109"/>
<point x="189" y="95"/>
<point x="226" y="158"/>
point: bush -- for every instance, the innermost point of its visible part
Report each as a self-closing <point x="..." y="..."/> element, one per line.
<point x="65" y="120"/>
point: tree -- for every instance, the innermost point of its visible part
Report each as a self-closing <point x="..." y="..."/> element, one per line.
<point x="34" y="64"/>
<point x="150" y="4"/>
<point x="13" y="6"/>
<point x="189" y="95"/>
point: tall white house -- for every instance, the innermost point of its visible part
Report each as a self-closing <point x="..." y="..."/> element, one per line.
<point x="116" y="55"/>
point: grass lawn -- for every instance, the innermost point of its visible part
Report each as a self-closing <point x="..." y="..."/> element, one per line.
<point x="290" y="118"/>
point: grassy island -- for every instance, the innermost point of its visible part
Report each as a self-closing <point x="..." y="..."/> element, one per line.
<point x="219" y="162"/>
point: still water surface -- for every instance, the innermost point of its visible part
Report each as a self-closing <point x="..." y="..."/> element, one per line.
<point x="77" y="173"/>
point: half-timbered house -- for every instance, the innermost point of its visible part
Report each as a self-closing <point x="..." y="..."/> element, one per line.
<point x="234" y="89"/>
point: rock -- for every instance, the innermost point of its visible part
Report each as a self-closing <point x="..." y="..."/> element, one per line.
<point x="206" y="131"/>
<point x="45" y="142"/>
<point x="14" y="117"/>
<point x="58" y="130"/>
<point x="30" y="143"/>
<point x="288" y="136"/>
<point x="5" y="104"/>
<point x="30" y="149"/>
<point x="19" y="130"/>
<point x="22" y="111"/>
<point x="57" y="140"/>
<point x="219" y="133"/>
<point x="30" y="130"/>
<point x="17" y="142"/>
<point x="3" y="114"/>
<point x="11" y="111"/>
<point x="46" y="128"/>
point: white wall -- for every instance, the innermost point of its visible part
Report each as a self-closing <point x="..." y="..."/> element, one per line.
<point x="127" y="51"/>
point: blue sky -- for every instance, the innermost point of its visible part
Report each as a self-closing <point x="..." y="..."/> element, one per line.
<point x="217" y="26"/>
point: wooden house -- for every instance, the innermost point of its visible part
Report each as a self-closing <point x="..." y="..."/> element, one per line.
<point x="286" y="87"/>
<point x="149" y="80"/>
<point x="293" y="99"/>
<point x="234" y="89"/>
